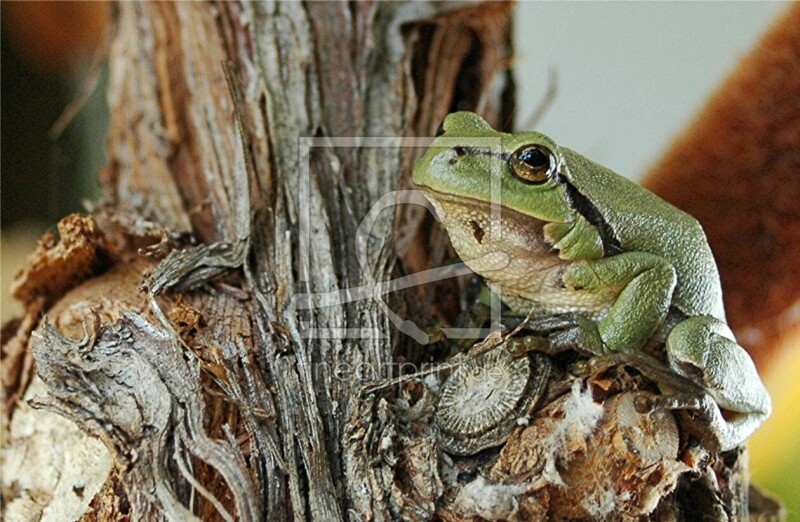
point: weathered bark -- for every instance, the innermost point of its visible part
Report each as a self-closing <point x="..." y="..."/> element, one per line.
<point x="258" y="403"/>
<point x="217" y="391"/>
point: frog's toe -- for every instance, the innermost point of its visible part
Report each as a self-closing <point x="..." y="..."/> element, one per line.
<point x="583" y="337"/>
<point x="645" y="402"/>
<point x="599" y="364"/>
<point x="519" y="346"/>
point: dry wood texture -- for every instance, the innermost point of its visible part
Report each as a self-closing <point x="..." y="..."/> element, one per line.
<point x="174" y="333"/>
<point x="222" y="406"/>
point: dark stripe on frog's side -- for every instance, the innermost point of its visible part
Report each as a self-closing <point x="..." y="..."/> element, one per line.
<point x="586" y="208"/>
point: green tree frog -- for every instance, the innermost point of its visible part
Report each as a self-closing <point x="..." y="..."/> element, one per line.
<point x="600" y="264"/>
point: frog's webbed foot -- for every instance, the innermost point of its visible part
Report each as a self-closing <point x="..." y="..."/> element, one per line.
<point x="556" y="334"/>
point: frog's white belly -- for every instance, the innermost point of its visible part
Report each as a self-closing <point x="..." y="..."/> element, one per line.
<point x="508" y="249"/>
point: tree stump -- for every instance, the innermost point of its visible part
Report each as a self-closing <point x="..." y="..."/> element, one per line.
<point x="224" y="321"/>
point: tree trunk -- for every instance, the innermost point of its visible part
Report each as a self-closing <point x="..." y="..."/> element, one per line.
<point x="251" y="377"/>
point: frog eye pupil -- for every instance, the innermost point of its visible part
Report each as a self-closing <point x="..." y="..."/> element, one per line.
<point x="535" y="158"/>
<point x="533" y="164"/>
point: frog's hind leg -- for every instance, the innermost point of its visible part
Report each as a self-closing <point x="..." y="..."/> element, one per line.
<point x="703" y="350"/>
<point x="703" y="416"/>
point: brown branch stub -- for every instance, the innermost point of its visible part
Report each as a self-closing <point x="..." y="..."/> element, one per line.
<point x="61" y="262"/>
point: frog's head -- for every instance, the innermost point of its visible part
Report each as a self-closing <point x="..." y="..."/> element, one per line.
<point x="469" y="160"/>
<point x="495" y="192"/>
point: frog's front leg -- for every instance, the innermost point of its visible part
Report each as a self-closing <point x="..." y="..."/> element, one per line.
<point x="644" y="283"/>
<point x="703" y="349"/>
<point x="640" y="286"/>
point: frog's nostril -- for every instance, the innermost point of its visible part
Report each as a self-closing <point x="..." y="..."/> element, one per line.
<point x="440" y="129"/>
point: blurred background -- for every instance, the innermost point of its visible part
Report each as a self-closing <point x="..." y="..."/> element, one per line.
<point x="47" y="52"/>
<point x="628" y="76"/>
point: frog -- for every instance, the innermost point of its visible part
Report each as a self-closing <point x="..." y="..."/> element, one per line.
<point x="597" y="264"/>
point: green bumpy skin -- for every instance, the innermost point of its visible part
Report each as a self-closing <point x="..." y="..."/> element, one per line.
<point x="555" y="233"/>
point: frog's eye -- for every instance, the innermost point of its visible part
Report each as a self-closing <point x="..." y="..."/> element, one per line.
<point x="533" y="164"/>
